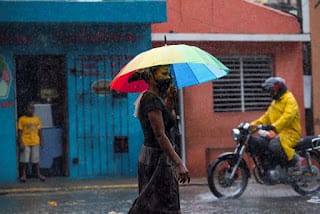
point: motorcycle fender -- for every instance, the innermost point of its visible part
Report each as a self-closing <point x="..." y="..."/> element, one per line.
<point x="227" y="155"/>
<point x="231" y="155"/>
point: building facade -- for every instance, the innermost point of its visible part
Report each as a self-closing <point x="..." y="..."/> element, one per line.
<point x="63" y="55"/>
<point x="255" y="42"/>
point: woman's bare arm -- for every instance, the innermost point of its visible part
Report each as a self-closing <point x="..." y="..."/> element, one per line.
<point x="157" y="124"/>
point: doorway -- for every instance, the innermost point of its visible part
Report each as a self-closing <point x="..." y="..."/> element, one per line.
<point x="42" y="79"/>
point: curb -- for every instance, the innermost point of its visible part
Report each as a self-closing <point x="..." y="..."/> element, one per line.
<point x="70" y="188"/>
<point x="92" y="185"/>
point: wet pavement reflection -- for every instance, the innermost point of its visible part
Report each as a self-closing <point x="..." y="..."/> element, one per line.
<point x="194" y="199"/>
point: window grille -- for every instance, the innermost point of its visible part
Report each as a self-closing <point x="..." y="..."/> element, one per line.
<point x="240" y="90"/>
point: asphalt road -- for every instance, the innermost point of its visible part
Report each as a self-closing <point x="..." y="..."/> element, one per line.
<point x="196" y="199"/>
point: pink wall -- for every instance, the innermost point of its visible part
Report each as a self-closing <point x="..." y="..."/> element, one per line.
<point x="225" y="16"/>
<point x="207" y="129"/>
<point x="204" y="128"/>
<point x="315" y="65"/>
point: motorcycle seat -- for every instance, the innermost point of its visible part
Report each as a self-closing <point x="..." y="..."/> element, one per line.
<point x="308" y="142"/>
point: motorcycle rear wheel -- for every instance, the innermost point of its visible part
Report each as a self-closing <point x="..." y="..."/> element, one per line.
<point x="309" y="182"/>
<point x="219" y="182"/>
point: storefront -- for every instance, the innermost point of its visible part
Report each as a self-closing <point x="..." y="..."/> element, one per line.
<point x="63" y="55"/>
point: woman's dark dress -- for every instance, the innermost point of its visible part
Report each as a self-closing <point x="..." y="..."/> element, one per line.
<point x="158" y="186"/>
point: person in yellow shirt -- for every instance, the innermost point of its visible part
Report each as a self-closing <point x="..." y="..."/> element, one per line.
<point x="283" y="120"/>
<point x="30" y="139"/>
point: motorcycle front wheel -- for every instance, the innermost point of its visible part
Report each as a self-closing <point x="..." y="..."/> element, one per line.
<point x="220" y="182"/>
<point x="309" y="182"/>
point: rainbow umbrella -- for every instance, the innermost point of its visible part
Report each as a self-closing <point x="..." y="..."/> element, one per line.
<point x="189" y="65"/>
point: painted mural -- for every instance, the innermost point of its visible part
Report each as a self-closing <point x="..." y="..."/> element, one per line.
<point x="5" y="78"/>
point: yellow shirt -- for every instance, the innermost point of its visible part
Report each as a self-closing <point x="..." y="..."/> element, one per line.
<point x="30" y="127"/>
<point x="284" y="115"/>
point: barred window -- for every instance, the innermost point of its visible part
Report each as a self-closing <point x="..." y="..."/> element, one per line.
<point x="240" y="90"/>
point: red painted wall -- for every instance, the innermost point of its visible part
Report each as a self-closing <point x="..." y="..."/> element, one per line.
<point x="204" y="128"/>
<point x="315" y="65"/>
<point x="225" y="16"/>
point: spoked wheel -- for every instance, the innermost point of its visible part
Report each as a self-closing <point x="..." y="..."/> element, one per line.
<point x="310" y="179"/>
<point x="257" y="176"/>
<point x="220" y="182"/>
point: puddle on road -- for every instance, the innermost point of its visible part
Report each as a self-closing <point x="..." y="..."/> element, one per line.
<point x="205" y="197"/>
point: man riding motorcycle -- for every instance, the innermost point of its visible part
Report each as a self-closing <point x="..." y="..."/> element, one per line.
<point x="283" y="129"/>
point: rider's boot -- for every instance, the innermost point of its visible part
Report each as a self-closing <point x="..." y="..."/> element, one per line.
<point x="296" y="164"/>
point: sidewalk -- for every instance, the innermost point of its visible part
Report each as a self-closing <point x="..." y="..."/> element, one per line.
<point x="67" y="184"/>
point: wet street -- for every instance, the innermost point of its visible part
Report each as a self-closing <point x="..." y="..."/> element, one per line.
<point x="194" y="199"/>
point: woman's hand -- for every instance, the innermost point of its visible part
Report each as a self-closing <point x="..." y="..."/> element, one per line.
<point x="171" y="97"/>
<point x="182" y="173"/>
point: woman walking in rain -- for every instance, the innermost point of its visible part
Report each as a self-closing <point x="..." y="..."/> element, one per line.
<point x="159" y="166"/>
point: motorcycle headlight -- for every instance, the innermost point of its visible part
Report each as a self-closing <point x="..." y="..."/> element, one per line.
<point x="235" y="134"/>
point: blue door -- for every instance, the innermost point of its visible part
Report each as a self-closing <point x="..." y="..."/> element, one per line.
<point x="103" y="135"/>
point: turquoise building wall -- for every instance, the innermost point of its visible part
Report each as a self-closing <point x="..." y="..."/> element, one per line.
<point x="76" y="31"/>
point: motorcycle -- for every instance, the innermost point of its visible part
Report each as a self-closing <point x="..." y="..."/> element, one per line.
<point x="229" y="174"/>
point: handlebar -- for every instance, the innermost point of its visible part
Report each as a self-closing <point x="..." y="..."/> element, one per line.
<point x="266" y="127"/>
<point x="252" y="128"/>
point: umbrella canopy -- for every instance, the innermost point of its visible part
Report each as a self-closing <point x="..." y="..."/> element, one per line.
<point x="189" y="65"/>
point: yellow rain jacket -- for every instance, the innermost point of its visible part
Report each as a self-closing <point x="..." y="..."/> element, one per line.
<point x="284" y="115"/>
